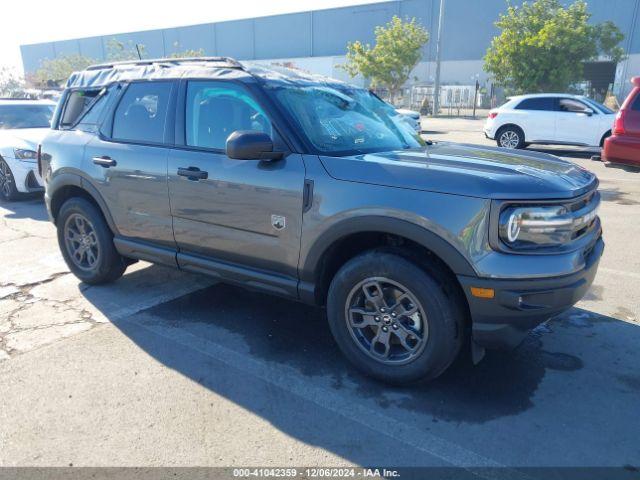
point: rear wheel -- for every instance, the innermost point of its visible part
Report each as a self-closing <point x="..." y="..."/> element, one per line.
<point x="393" y="320"/>
<point x="86" y="243"/>
<point x="510" y="137"/>
<point x="8" y="190"/>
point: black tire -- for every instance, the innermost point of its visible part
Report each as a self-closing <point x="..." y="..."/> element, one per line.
<point x="510" y="136"/>
<point x="443" y="320"/>
<point x="8" y="189"/>
<point x="109" y="265"/>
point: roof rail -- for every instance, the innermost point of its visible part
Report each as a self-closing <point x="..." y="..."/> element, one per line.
<point x="223" y="61"/>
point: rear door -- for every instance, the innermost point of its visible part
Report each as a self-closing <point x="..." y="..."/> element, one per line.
<point x="241" y="212"/>
<point x="577" y="123"/>
<point x="127" y="161"/>
<point x="538" y="118"/>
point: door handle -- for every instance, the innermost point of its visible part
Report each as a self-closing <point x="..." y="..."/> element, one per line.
<point x="193" y="173"/>
<point x="105" y="161"/>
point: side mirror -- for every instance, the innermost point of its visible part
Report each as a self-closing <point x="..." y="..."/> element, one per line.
<point x="251" y="145"/>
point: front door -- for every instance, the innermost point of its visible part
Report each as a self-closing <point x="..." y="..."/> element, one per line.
<point x="129" y="165"/>
<point x="577" y="123"/>
<point x="233" y="212"/>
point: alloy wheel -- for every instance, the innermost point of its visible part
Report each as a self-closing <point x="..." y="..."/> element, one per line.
<point x="386" y="321"/>
<point x="82" y="242"/>
<point x="509" y="139"/>
<point x="6" y="179"/>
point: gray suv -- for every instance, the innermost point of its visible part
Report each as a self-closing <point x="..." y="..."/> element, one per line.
<point x="315" y="190"/>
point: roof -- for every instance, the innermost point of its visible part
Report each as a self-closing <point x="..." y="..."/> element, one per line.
<point x="24" y="101"/>
<point x="97" y="76"/>
<point x="534" y="95"/>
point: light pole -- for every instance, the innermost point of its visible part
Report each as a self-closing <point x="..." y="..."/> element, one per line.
<point x="436" y="90"/>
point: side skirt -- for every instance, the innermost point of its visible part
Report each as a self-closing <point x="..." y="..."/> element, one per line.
<point x="225" y="272"/>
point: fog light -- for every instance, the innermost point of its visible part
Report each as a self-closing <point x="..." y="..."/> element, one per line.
<point x="483" y="292"/>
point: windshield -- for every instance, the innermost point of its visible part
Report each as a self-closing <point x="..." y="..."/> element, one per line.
<point x="25" y="116"/>
<point x="346" y="121"/>
<point x="598" y="106"/>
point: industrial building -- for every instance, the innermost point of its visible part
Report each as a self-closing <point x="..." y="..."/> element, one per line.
<point x="316" y="40"/>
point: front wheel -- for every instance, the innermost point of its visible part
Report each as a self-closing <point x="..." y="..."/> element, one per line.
<point x="8" y="190"/>
<point x="86" y="243"/>
<point x="510" y="137"/>
<point x="393" y="320"/>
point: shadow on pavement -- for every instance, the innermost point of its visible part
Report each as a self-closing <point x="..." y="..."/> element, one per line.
<point x="29" y="206"/>
<point x="277" y="359"/>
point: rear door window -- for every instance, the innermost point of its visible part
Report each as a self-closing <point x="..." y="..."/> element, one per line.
<point x="537" y="103"/>
<point x="142" y="112"/>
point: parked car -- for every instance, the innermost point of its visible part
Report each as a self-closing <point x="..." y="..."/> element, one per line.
<point x="549" y="119"/>
<point x="23" y="124"/>
<point x="310" y="188"/>
<point x="624" y="145"/>
<point x="411" y="117"/>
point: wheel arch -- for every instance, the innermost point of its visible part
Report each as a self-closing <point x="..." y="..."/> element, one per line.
<point x="604" y="137"/>
<point x="68" y="185"/>
<point x="351" y="237"/>
<point x="512" y="125"/>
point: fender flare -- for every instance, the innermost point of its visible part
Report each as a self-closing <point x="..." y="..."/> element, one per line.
<point x="451" y="256"/>
<point x="68" y="179"/>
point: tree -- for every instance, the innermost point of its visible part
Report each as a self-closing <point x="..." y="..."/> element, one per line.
<point x="188" y="53"/>
<point x="10" y="84"/>
<point x="118" y="51"/>
<point x="542" y="46"/>
<point x="389" y="63"/>
<point x="56" y="72"/>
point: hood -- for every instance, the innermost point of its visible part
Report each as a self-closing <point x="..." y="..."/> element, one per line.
<point x="26" y="138"/>
<point x="471" y="170"/>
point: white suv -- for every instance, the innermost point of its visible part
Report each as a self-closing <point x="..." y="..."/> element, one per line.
<point x="549" y="118"/>
<point x="23" y="124"/>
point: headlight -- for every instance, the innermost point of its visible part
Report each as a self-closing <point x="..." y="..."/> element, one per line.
<point x="25" y="154"/>
<point x="539" y="226"/>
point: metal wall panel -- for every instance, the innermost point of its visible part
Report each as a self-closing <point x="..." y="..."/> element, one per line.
<point x="235" y="39"/>
<point x="283" y="36"/>
<point x="194" y="37"/>
<point x="33" y="55"/>
<point x="92" y="47"/>
<point x="334" y="28"/>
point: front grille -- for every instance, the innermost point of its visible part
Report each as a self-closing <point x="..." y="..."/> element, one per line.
<point x="583" y="210"/>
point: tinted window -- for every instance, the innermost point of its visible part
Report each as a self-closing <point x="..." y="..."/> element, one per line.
<point x="538" y="103"/>
<point x="25" y="116"/>
<point x="215" y="110"/>
<point x="141" y="114"/>
<point x="636" y="103"/>
<point x="569" y="105"/>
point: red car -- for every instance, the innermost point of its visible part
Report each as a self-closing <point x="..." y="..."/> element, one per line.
<point x="623" y="146"/>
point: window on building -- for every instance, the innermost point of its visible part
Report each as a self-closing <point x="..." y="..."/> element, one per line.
<point x="537" y="103"/>
<point x="215" y="110"/>
<point x="142" y="112"/>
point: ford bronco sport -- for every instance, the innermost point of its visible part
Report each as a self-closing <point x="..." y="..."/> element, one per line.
<point x="312" y="189"/>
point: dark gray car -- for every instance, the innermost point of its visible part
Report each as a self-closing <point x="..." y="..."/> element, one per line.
<point x="313" y="189"/>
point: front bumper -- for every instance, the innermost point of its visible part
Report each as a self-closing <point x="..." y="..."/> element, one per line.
<point x="25" y="175"/>
<point x="522" y="304"/>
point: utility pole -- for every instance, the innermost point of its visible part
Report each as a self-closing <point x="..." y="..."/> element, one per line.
<point x="436" y="90"/>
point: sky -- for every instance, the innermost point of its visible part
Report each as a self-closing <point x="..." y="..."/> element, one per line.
<point x="34" y="21"/>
